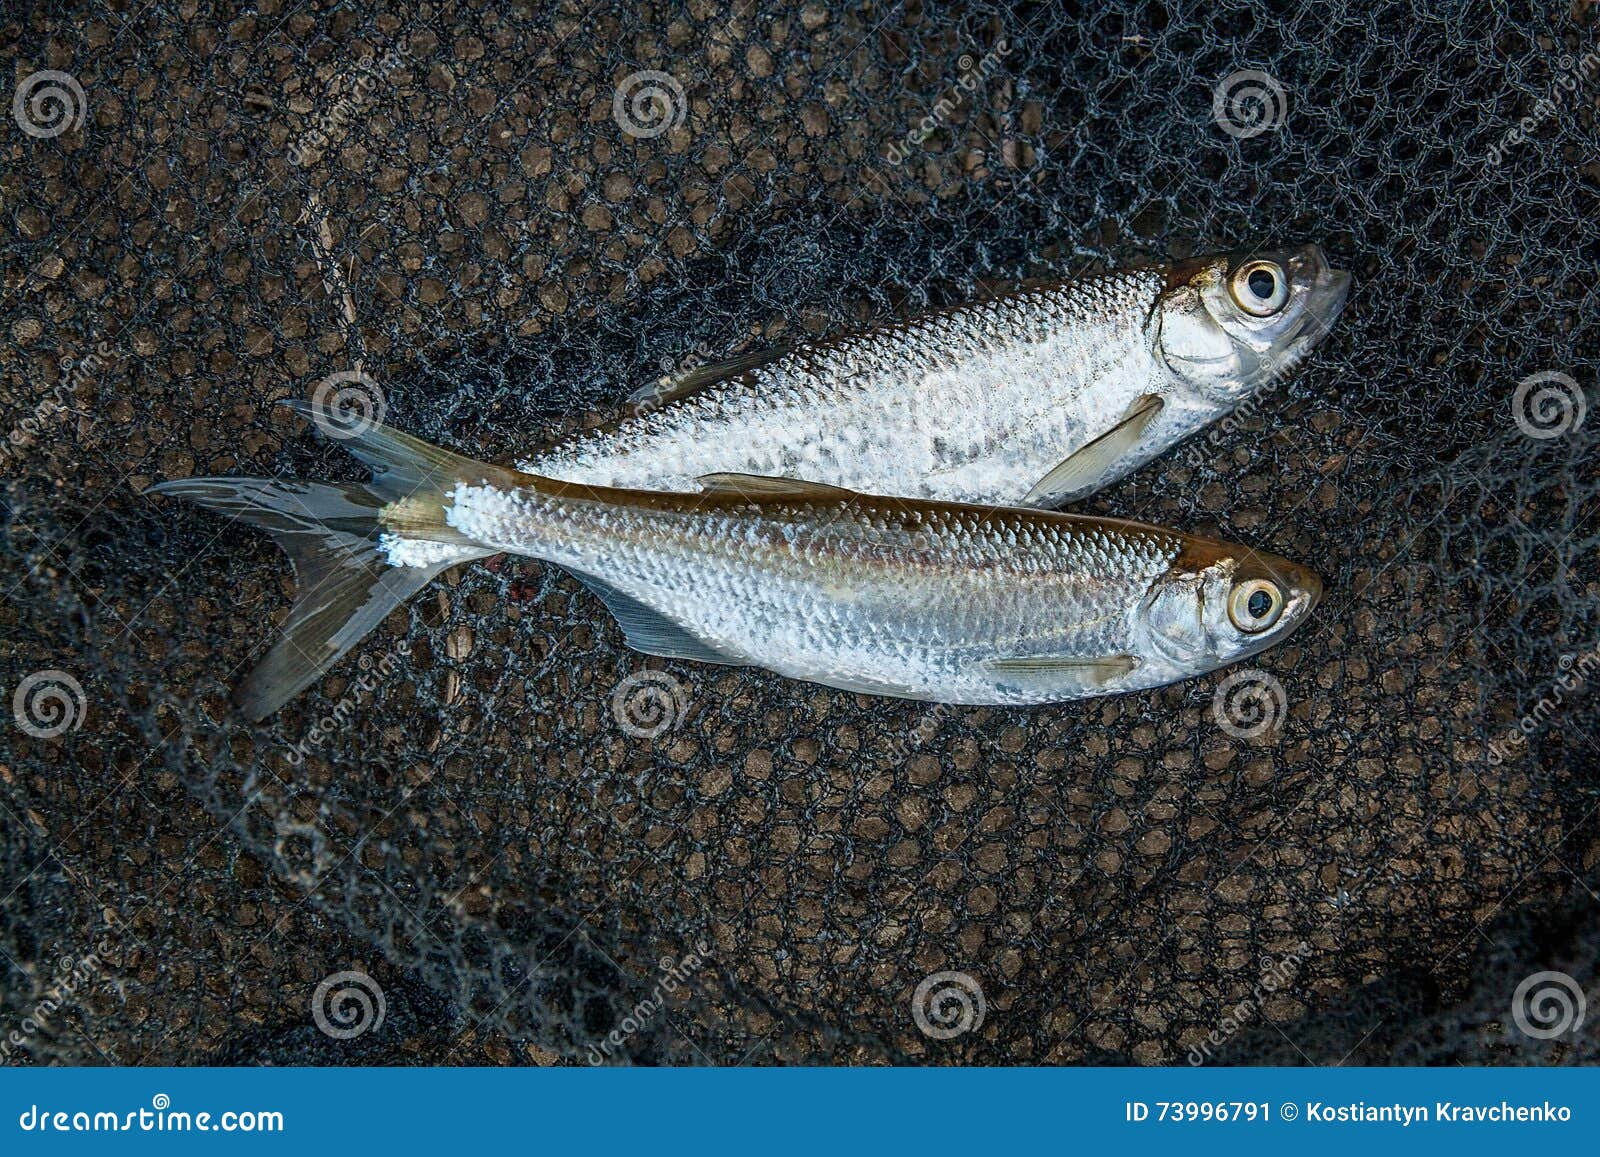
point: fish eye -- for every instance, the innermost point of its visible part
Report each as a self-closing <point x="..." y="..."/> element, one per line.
<point x="1259" y="288"/>
<point x="1255" y="605"/>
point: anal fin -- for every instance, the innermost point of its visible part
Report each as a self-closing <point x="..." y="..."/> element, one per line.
<point x="1051" y="669"/>
<point x="649" y="631"/>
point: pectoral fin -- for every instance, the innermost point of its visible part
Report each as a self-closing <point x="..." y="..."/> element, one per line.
<point x="651" y="632"/>
<point x="1083" y="470"/>
<point x="1049" y="670"/>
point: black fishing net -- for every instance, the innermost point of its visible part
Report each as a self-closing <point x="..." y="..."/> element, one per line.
<point x="520" y="842"/>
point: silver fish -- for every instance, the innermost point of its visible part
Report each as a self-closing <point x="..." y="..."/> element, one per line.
<point x="983" y="402"/>
<point x="945" y="602"/>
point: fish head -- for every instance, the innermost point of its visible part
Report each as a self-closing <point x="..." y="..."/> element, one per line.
<point x="1228" y="326"/>
<point x="1218" y="603"/>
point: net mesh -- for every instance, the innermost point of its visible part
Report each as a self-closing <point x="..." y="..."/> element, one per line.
<point x="508" y="220"/>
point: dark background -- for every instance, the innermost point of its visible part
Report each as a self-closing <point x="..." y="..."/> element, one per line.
<point x="479" y="835"/>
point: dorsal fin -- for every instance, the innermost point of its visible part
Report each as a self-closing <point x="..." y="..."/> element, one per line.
<point x="667" y="390"/>
<point x="758" y="488"/>
<point x="402" y="465"/>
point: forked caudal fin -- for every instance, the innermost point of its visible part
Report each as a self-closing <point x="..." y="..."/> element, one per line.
<point x="338" y="537"/>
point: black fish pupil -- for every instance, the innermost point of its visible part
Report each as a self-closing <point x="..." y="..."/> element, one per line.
<point x="1261" y="284"/>
<point x="1259" y="603"/>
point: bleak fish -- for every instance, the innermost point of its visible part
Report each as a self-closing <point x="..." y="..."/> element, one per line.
<point x="945" y="602"/>
<point x="1041" y="395"/>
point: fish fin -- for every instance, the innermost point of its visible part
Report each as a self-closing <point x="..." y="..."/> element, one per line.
<point x="338" y="538"/>
<point x="650" y="631"/>
<point x="402" y="465"/>
<point x="345" y="584"/>
<point x="667" y="390"/>
<point x="1095" y="672"/>
<point x="758" y="488"/>
<point x="1082" y="470"/>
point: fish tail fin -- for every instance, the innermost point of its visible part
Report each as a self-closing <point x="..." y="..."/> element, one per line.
<point x="348" y="543"/>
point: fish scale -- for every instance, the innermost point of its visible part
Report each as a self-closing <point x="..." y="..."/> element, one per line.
<point x="851" y="591"/>
<point x="975" y="403"/>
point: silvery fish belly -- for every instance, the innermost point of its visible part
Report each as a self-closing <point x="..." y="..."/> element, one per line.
<point x="1041" y="395"/>
<point x="946" y="602"/>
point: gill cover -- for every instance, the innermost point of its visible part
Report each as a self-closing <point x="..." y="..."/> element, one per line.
<point x="1234" y="323"/>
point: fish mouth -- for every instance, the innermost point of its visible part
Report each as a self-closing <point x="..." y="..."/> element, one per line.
<point x="1304" y="592"/>
<point x="1307" y="593"/>
<point x="1326" y="291"/>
